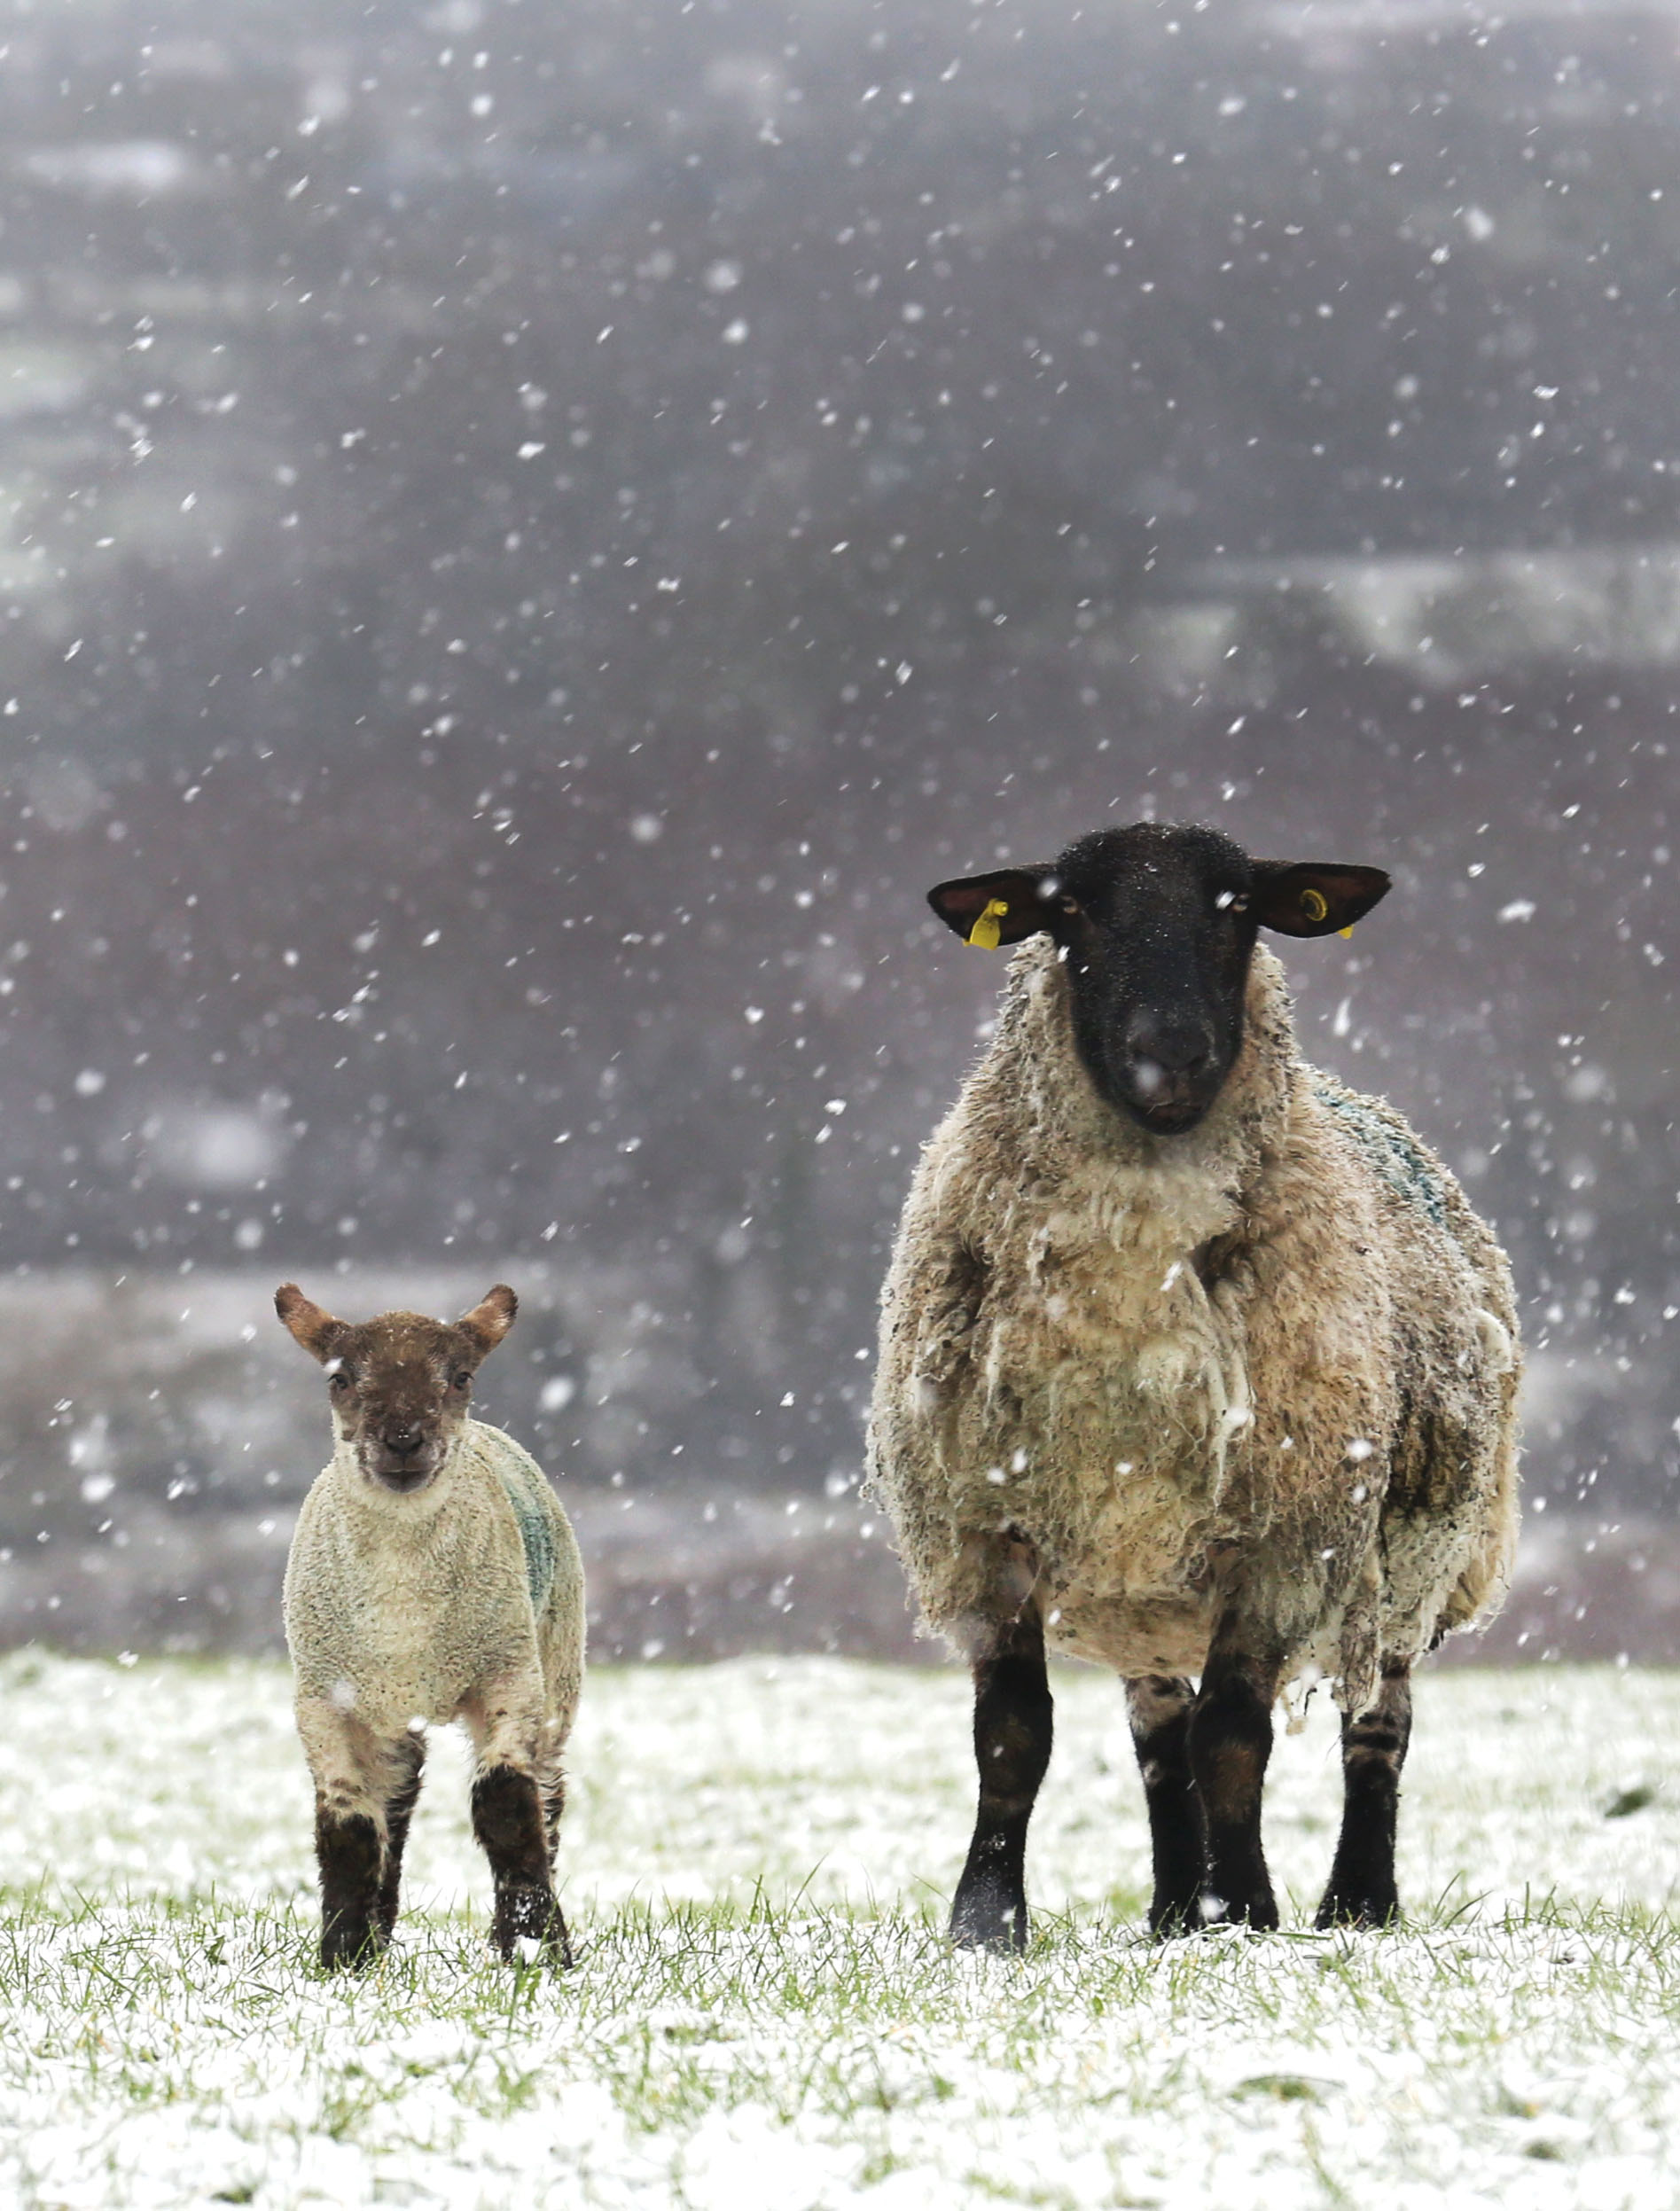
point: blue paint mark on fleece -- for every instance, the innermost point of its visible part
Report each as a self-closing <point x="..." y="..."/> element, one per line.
<point x="525" y="1488"/>
<point x="1395" y="1154"/>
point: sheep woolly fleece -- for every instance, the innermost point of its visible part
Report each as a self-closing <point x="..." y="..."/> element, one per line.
<point x="463" y="1599"/>
<point x="1270" y="1364"/>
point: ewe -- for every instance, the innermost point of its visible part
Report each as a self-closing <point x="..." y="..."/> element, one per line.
<point x="433" y="1577"/>
<point x="1191" y="1363"/>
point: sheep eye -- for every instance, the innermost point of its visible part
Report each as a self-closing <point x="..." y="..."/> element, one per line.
<point x="463" y="1381"/>
<point x="340" y="1381"/>
<point x="1233" y="901"/>
<point x="1068" y="905"/>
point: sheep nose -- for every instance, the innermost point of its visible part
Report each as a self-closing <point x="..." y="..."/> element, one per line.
<point x="1175" y="1047"/>
<point x="401" y="1440"/>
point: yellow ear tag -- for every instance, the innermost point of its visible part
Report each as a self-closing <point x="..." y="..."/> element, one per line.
<point x="1314" y="904"/>
<point x="985" y="932"/>
<point x="1347" y="932"/>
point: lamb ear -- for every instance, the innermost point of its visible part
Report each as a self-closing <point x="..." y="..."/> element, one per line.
<point x="998" y="909"/>
<point x="1313" y="897"/>
<point x="489" y="1321"/>
<point x="311" y="1324"/>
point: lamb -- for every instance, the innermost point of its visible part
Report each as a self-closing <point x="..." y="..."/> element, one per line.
<point x="1192" y="1362"/>
<point x="433" y="1577"/>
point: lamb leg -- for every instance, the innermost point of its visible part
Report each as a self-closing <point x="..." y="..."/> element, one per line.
<point x="349" y="1853"/>
<point x="399" y="1810"/>
<point x="507" y="1819"/>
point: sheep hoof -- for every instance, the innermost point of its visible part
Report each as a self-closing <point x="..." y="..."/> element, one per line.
<point x="1171" y="1918"/>
<point x="1365" y="1914"/>
<point x="987" y="1922"/>
<point x="1260" y="1917"/>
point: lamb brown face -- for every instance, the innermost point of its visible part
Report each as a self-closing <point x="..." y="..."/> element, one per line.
<point x="400" y="1384"/>
<point x="1157" y="926"/>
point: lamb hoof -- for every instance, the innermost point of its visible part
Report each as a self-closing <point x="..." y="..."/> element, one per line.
<point x="528" y="1929"/>
<point x="350" y="1948"/>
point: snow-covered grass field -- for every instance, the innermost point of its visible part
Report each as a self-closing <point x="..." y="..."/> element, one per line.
<point x="756" y="1859"/>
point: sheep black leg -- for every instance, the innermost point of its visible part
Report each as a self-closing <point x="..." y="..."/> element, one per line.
<point x="508" y="1820"/>
<point x="1361" y="1892"/>
<point x="348" y="1853"/>
<point x="399" y="1811"/>
<point x="1159" y="1707"/>
<point x="1229" y="1744"/>
<point x="1013" y="1732"/>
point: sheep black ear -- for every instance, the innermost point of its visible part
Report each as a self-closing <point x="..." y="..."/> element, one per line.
<point x="488" y="1322"/>
<point x="311" y="1324"/>
<point x="1313" y="898"/>
<point x="998" y="909"/>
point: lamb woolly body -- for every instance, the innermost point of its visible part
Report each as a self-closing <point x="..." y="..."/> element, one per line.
<point x="1129" y="1375"/>
<point x="433" y="1577"/>
<point x="465" y="1601"/>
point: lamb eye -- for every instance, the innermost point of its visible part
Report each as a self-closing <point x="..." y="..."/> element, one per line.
<point x="1068" y="905"/>
<point x="338" y="1383"/>
<point x="463" y="1381"/>
<point x="1233" y="901"/>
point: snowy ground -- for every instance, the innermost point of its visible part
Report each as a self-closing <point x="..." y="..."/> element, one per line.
<point x="756" y="1858"/>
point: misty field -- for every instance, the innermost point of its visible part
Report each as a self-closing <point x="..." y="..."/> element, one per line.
<point x="756" y="1859"/>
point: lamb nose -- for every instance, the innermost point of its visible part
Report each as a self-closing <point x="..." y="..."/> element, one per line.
<point x="401" y="1439"/>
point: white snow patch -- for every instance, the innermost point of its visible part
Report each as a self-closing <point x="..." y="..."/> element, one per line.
<point x="756" y="1858"/>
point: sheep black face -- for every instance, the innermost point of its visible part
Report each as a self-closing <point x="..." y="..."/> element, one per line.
<point x="1157" y="926"/>
<point x="399" y="1385"/>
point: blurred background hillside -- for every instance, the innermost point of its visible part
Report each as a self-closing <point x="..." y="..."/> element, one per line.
<point x="531" y="534"/>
